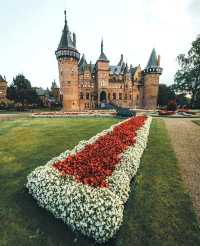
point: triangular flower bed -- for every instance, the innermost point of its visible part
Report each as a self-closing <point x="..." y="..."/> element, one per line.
<point x="88" y="186"/>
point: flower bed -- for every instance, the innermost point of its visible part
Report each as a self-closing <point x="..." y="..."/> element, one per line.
<point x="56" y="114"/>
<point x="88" y="186"/>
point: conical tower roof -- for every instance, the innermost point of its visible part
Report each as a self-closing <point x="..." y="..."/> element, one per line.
<point x="67" y="47"/>
<point x="153" y="65"/>
<point x="66" y="41"/>
<point x="153" y="62"/>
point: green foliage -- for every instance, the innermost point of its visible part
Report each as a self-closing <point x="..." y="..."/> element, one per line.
<point x="159" y="210"/>
<point x="6" y="104"/>
<point x="165" y="94"/>
<point x="21" y="91"/>
<point x="187" y="78"/>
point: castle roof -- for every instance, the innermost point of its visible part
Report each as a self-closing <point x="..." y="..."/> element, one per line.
<point x="153" y="62"/>
<point x="82" y="63"/>
<point x="132" y="70"/>
<point x="66" y="40"/>
<point x="102" y="56"/>
<point x="2" y="79"/>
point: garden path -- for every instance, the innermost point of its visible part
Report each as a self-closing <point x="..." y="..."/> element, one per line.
<point x="185" y="139"/>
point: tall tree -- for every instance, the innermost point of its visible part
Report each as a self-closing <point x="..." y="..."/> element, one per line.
<point x="187" y="78"/>
<point x="165" y="94"/>
<point x="21" y="91"/>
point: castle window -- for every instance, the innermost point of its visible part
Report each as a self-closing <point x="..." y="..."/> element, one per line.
<point x="87" y="105"/>
<point x="120" y="96"/>
<point x="87" y="96"/>
<point x="81" y="95"/>
<point x="114" y="96"/>
<point x="125" y="97"/>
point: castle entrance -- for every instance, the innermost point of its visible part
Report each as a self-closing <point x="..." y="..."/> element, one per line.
<point x="103" y="99"/>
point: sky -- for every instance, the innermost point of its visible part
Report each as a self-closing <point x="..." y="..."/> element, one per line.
<point x="31" y="31"/>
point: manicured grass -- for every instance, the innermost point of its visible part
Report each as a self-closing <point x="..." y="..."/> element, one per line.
<point x="24" y="145"/>
<point x="159" y="210"/>
<point x="196" y="122"/>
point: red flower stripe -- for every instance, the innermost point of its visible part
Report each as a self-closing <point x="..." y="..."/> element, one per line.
<point x="96" y="161"/>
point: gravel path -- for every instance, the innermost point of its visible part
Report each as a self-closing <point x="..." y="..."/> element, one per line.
<point x="185" y="138"/>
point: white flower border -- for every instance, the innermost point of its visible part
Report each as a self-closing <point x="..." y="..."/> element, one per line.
<point x="95" y="212"/>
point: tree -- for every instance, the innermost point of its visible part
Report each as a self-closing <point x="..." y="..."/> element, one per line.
<point x="21" y="91"/>
<point x="165" y="94"/>
<point x="187" y="78"/>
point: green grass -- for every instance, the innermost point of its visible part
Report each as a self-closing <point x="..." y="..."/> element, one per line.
<point x="196" y="122"/>
<point x="159" y="210"/>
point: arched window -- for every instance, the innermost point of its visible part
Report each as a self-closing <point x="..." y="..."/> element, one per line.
<point x="120" y="96"/>
<point x="130" y="96"/>
<point x="114" y="96"/>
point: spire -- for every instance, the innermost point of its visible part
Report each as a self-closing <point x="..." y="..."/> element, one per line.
<point x="126" y="69"/>
<point x="121" y="60"/>
<point x="153" y="62"/>
<point x="102" y="56"/>
<point x="102" y="46"/>
<point x="66" y="41"/>
<point x="65" y="13"/>
<point x="67" y="45"/>
<point x="83" y="63"/>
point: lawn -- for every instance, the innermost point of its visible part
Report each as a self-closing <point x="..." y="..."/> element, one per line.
<point x="159" y="210"/>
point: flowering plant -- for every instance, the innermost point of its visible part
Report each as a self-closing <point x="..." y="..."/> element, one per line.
<point x="88" y="186"/>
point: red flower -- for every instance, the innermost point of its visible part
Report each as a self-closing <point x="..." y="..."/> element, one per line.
<point x="97" y="161"/>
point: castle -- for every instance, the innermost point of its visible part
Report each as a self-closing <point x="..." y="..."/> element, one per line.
<point x="88" y="86"/>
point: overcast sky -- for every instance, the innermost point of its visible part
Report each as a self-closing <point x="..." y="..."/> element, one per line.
<point x="30" y="31"/>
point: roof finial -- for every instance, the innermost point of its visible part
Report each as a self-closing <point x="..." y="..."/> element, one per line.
<point x="101" y="45"/>
<point x="65" y="13"/>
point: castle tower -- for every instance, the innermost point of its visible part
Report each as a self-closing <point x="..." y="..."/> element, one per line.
<point x="102" y="70"/>
<point x="151" y="75"/>
<point x="68" y="57"/>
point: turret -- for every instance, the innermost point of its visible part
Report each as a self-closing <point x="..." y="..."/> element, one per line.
<point x="68" y="57"/>
<point x="151" y="75"/>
